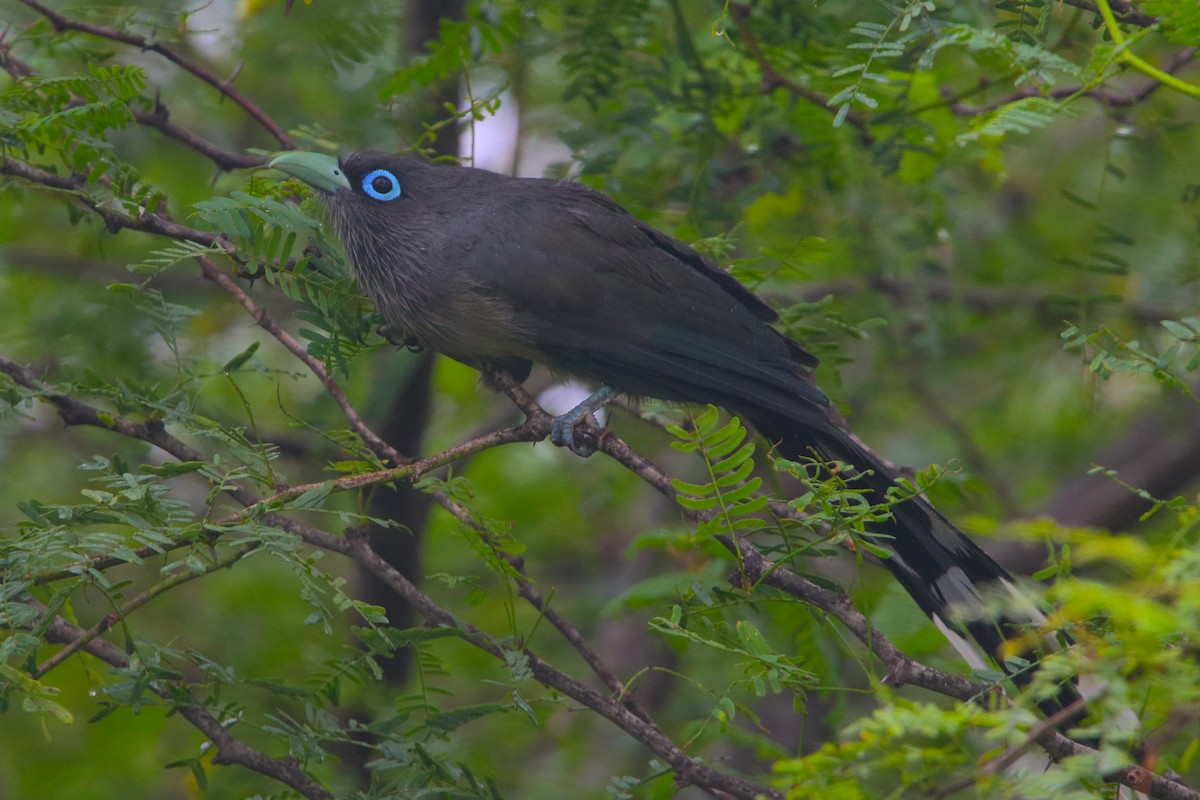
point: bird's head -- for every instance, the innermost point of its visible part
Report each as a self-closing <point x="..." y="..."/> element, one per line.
<point x="385" y="208"/>
<point x="387" y="193"/>
<point x="413" y="232"/>
<point x="374" y="184"/>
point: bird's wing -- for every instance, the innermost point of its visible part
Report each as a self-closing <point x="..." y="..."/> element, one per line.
<point x="609" y="298"/>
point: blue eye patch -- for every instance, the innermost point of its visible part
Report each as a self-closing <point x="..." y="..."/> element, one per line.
<point x="381" y="185"/>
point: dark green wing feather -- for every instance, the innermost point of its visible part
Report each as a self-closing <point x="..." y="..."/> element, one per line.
<point x="605" y="296"/>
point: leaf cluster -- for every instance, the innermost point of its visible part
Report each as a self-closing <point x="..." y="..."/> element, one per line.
<point x="925" y="191"/>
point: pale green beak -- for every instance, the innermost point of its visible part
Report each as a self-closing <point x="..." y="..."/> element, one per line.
<point x="319" y="171"/>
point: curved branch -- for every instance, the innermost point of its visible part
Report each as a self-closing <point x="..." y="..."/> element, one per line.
<point x="161" y="224"/>
<point x="1127" y="56"/>
<point x="137" y="601"/>
<point x="230" y="750"/>
<point x="225" y="87"/>
<point x="901" y="669"/>
<point x="159" y="119"/>
<point x="218" y="276"/>
<point x="1107" y="97"/>
<point x="773" y="79"/>
<point x="1125" y="11"/>
<point x="687" y="769"/>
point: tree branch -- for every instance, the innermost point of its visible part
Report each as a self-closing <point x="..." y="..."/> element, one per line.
<point x="230" y="750"/>
<point x="162" y="225"/>
<point x="772" y="79"/>
<point x="901" y="669"/>
<point x="218" y="276"/>
<point x="1125" y="12"/>
<point x="687" y="769"/>
<point x="225" y="87"/>
<point x="136" y="602"/>
<point x="159" y="119"/>
<point x="1106" y="97"/>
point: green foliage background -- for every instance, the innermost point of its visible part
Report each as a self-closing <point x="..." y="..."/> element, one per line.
<point x="978" y="216"/>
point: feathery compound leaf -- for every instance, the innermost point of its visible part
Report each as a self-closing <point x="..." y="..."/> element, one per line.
<point x="1020" y="116"/>
<point x="1179" y="20"/>
<point x="730" y="492"/>
<point x="1028" y="21"/>
<point x="447" y="721"/>
<point x="880" y="43"/>
<point x="593" y="61"/>
<point x="1034" y="62"/>
<point x="760" y="662"/>
<point x="167" y="257"/>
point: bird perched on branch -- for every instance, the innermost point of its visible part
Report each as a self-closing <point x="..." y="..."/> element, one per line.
<point x="495" y="271"/>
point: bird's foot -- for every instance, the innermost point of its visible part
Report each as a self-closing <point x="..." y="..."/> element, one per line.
<point x="579" y="435"/>
<point x="577" y="430"/>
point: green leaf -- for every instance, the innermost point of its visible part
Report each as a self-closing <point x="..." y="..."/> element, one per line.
<point x="172" y="469"/>
<point x="448" y="721"/>
<point x="1180" y="330"/>
<point x="241" y="358"/>
<point x="314" y="497"/>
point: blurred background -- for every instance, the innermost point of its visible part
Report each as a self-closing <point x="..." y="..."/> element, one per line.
<point x="973" y="214"/>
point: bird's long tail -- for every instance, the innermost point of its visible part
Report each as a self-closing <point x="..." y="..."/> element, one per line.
<point x="968" y="596"/>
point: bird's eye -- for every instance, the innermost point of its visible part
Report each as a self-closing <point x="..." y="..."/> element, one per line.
<point x="381" y="184"/>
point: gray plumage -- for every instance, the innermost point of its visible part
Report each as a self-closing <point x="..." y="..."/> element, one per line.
<point x="489" y="269"/>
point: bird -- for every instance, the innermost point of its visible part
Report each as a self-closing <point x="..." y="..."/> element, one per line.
<point x="502" y="272"/>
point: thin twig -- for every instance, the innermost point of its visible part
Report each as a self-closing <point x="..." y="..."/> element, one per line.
<point x="14" y="67"/>
<point x="1106" y="97"/>
<point x="975" y="456"/>
<point x="137" y="601"/>
<point x="230" y="750"/>
<point x="687" y="769"/>
<point x="225" y="160"/>
<point x="1128" y="57"/>
<point x="773" y="79"/>
<point x="539" y="422"/>
<point x="159" y="119"/>
<point x="901" y="669"/>
<point x="149" y="222"/>
<point x="1040" y="730"/>
<point x="1125" y="12"/>
<point x="218" y="276"/>
<point x="225" y="87"/>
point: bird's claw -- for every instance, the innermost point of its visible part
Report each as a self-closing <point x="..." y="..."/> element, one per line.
<point x="574" y="433"/>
